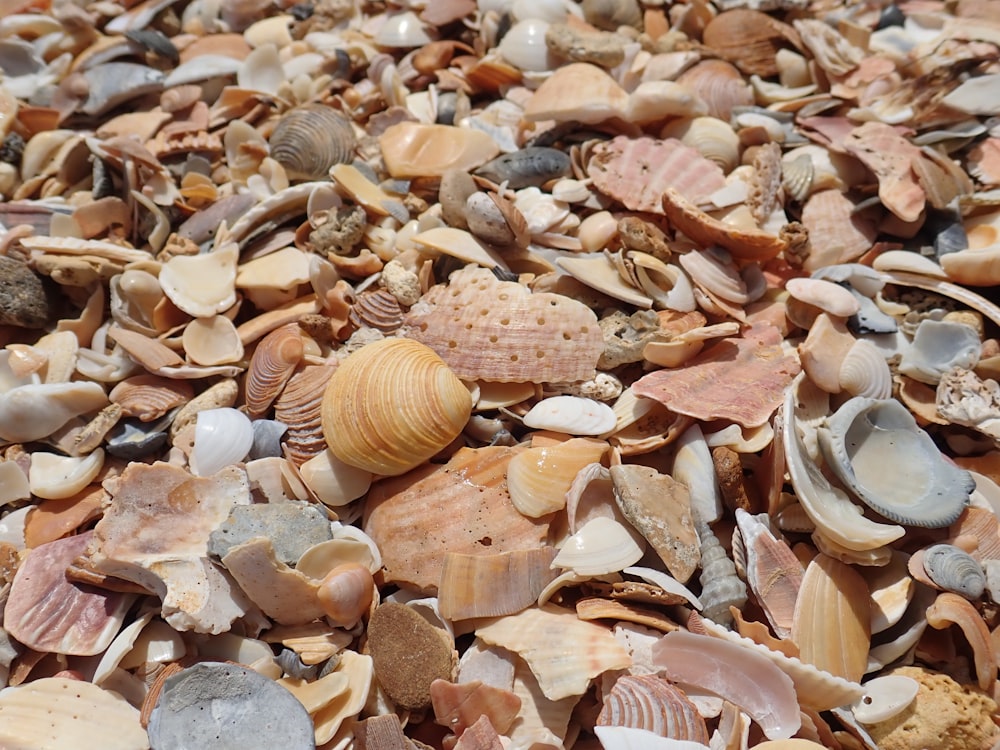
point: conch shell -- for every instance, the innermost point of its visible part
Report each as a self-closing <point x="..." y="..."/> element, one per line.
<point x="392" y="405"/>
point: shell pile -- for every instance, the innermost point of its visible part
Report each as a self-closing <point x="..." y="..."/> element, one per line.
<point x="471" y="374"/>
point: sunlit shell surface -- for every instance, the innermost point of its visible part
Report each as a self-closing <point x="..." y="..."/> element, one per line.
<point x="652" y="703"/>
<point x="425" y="407"/>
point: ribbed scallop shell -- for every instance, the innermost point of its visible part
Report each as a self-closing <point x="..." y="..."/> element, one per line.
<point x="750" y="39"/>
<point x="377" y="308"/>
<point x="273" y="362"/>
<point x="149" y="397"/>
<point x="720" y="85"/>
<point x="311" y="139"/>
<point x="392" y="405"/>
<point x="651" y="703"/>
<point x="867" y="436"/>
<point x="300" y="407"/>
<point x="864" y="371"/>
<point x="797" y="176"/>
<point x="711" y="137"/>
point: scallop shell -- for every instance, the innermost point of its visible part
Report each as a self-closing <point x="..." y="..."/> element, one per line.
<point x="273" y="363"/>
<point x="539" y="478"/>
<point x="865" y="436"/>
<point x="149" y="397"/>
<point x="953" y="569"/>
<point x="392" y="405"/>
<point x="310" y="139"/>
<point x="650" y="702"/>
<point x="300" y="407"/>
<point x="720" y="85"/>
<point x="837" y="234"/>
<point x="750" y="39"/>
<point x="222" y="437"/>
<point x="378" y="309"/>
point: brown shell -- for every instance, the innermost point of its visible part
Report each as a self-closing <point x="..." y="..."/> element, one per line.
<point x="300" y="406"/>
<point x="719" y="84"/>
<point x="750" y="39"/>
<point x="392" y="405"/>
<point x="650" y="702"/>
<point x="311" y="139"/>
<point x="149" y="397"/>
<point x="273" y="362"/>
<point x="377" y="308"/>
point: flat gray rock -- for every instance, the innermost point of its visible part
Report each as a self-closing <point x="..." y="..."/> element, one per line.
<point x="293" y="527"/>
<point x="227" y="707"/>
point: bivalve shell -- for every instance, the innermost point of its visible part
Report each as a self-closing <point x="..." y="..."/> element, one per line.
<point x="955" y="570"/>
<point x="273" y="362"/>
<point x="392" y="405"/>
<point x="221" y="438"/>
<point x="867" y="435"/>
<point x="311" y="139"/>
<point x="650" y="702"/>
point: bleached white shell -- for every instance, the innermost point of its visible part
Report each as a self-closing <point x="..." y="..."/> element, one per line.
<point x="884" y="698"/>
<point x="666" y="582"/>
<point x="334" y="482"/>
<point x="864" y="371"/>
<point x="602" y="546"/>
<point x="631" y="738"/>
<point x="402" y="30"/>
<point x="937" y="347"/>
<point x="221" y="437"/>
<point x="53" y="476"/>
<point x="911" y="262"/>
<point x="202" y="285"/>
<point x="34" y="411"/>
<point x="571" y="414"/>
<point x="524" y="46"/>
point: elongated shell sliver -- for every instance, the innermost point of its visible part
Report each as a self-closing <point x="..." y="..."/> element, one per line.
<point x="735" y="673"/>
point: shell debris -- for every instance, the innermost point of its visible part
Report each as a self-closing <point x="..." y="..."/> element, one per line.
<point x="488" y="373"/>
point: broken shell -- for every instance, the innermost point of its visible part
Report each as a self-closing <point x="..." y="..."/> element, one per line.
<point x="955" y="570"/>
<point x="202" y="285"/>
<point x="939" y="346"/>
<point x="866" y="435"/>
<point x="222" y="437"/>
<point x="601" y="546"/>
<point x="539" y="478"/>
<point x="711" y="137"/>
<point x="864" y="371"/>
<point x="273" y="363"/>
<point x="212" y="341"/>
<point x="307" y="141"/>
<point x="572" y="415"/>
<point x="720" y="85"/>
<point x="413" y="149"/>
<point x="392" y="405"/>
<point x="346" y="593"/>
<point x="53" y="477"/>
<point x="650" y="702"/>
<point x="885" y="697"/>
<point x="149" y="397"/>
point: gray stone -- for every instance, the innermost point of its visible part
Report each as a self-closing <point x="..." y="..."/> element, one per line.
<point x="293" y="527"/>
<point x="23" y="301"/>
<point x="227" y="707"/>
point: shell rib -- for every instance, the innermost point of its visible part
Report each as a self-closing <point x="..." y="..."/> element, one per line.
<point x="650" y="702"/>
<point x="311" y="139"/>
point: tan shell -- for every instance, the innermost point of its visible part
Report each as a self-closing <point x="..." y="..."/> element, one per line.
<point x="539" y="478"/>
<point x="720" y="85"/>
<point x="377" y="308"/>
<point x="273" y="362"/>
<point x="149" y="397"/>
<point x="346" y="593"/>
<point x="493" y="585"/>
<point x="392" y="405"/>
<point x="299" y="407"/>
<point x="750" y="39"/>
<point x="311" y="139"/>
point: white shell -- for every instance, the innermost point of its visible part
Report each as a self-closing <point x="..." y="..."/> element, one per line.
<point x="665" y="581"/>
<point x="825" y="295"/>
<point x="864" y="371"/>
<point x="334" y="482"/>
<point x="202" y="285"/>
<point x="885" y="697"/>
<point x="571" y="414"/>
<point x="221" y="437"/>
<point x="524" y="46"/>
<point x="631" y="738"/>
<point x="34" y="411"/>
<point x="937" y="347"/>
<point x="54" y="477"/>
<point x="402" y="30"/>
<point x="906" y="260"/>
<point x="602" y="546"/>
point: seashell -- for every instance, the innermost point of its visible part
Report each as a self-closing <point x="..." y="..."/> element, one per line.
<point x="571" y="414"/>
<point x="403" y="31"/>
<point x="666" y="284"/>
<point x="711" y="137"/>
<point x="885" y="697"/>
<point x="737" y="674"/>
<point x="309" y="140"/>
<point x="720" y="85"/>
<point x="721" y="588"/>
<point x="909" y="262"/>
<point x="864" y="371"/>
<point x="953" y="291"/>
<point x="416" y="150"/>
<point x="513" y="579"/>
<point x="273" y="363"/>
<point x="222" y="393"/>
<point x="540" y="635"/>
<point x="831" y="624"/>
<point x="743" y="243"/>
<point x="599" y="273"/>
<point x="865" y="435"/>
<point x="578" y="91"/>
<point x="133" y="441"/>
<point x="53" y="477"/>
<point x="825" y="295"/>
<point x="527" y="167"/>
<point x="715" y="272"/>
<point x="773" y="573"/>
<point x="299" y="406"/>
<point x="955" y="570"/>
<point x="539" y="478"/>
<point x="266" y="439"/>
<point x="950" y="609"/>
<point x="651" y="703"/>
<point x="486" y="221"/>
<point x="892" y="589"/>
<point x="34" y="411"/>
<point x="837" y="233"/>
<point x="114" y="83"/>
<point x="149" y="397"/>
<point x="202" y="285"/>
<point x="378" y="309"/>
<point x="346" y="593"/>
<point x="610" y="14"/>
<point x="750" y="39"/>
<point x="601" y="546"/>
<point x="221" y="437"/>
<point x="654" y="101"/>
<point x="424" y="406"/>
<point x="524" y="46"/>
<point x="939" y="346"/>
<point x="637" y="171"/>
<point x="212" y="341"/>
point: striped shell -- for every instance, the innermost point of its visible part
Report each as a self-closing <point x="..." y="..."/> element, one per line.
<point x="378" y="309"/>
<point x="149" y="397"/>
<point x="650" y="702"/>
<point x="392" y="405"/>
<point x="299" y="407"/>
<point x="273" y="362"/>
<point x="311" y="139"/>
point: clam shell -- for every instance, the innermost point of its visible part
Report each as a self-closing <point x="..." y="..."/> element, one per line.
<point x="884" y="698"/>
<point x="578" y="91"/>
<point x="300" y="407"/>
<point x="866" y="435"/>
<point x="493" y="585"/>
<point x="273" y="363"/>
<point x="955" y="570"/>
<point x="392" y="405"/>
<point x="202" y="285"/>
<point x="711" y="137"/>
<point x="864" y="371"/>
<point x="310" y="139"/>
<point x="601" y="546"/>
<point x="149" y="397"/>
<point x="650" y="702"/>
<point x="221" y="437"/>
<point x="939" y="346"/>
<point x="539" y="478"/>
<point x="750" y="39"/>
<point x="212" y="341"/>
<point x="572" y="415"/>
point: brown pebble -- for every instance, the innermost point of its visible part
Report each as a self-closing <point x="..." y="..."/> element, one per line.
<point x="408" y="654"/>
<point x="729" y="471"/>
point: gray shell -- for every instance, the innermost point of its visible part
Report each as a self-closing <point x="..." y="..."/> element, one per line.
<point x="955" y="570"/>
<point x="311" y="139"/>
<point x="877" y="451"/>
